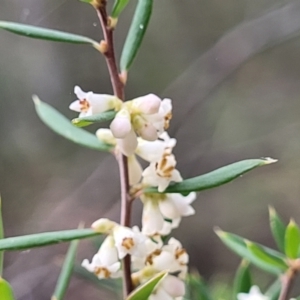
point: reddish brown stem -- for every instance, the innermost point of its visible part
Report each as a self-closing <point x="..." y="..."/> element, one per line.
<point x="118" y="88"/>
<point x="287" y="281"/>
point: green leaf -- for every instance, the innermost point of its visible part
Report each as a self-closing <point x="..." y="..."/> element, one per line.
<point x="1" y="237"/>
<point x="6" y="291"/>
<point x="242" y="280"/>
<point x="273" y="291"/>
<point x="277" y="227"/>
<point x="103" y="117"/>
<point x="46" y="34"/>
<point x="44" y="239"/>
<point x="61" y="125"/>
<point x="267" y="256"/>
<point x="292" y="240"/>
<point x="214" y="178"/>
<point x="196" y="288"/>
<point x="66" y="272"/>
<point x="136" y="33"/>
<point x="239" y="246"/>
<point x="119" y="5"/>
<point x="145" y="290"/>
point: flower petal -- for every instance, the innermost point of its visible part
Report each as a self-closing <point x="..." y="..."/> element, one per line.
<point x="128" y="144"/>
<point x="121" y="124"/>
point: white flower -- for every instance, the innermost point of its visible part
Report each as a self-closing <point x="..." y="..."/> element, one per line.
<point x="175" y="206"/>
<point x="90" y="104"/>
<point x="105" y="263"/>
<point x="153" y="151"/>
<point x="149" y="151"/>
<point x="254" y="294"/>
<point x="161" y="120"/>
<point x="152" y="246"/>
<point x="163" y="172"/>
<point x="158" y="207"/>
<point x="104" y="225"/>
<point x="144" y="116"/>
<point x="130" y="242"/>
<point x="170" y="288"/>
<point x="152" y="219"/>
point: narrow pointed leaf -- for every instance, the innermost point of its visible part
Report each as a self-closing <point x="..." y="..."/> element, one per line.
<point x="1" y="237"/>
<point x="103" y="117"/>
<point x="214" y="178"/>
<point x="278" y="228"/>
<point x="145" y="290"/>
<point x="292" y="240"/>
<point x="242" y="281"/>
<point x="44" y="239"/>
<point x="61" y="125"/>
<point x="273" y="291"/>
<point x="239" y="246"/>
<point x="268" y="257"/>
<point x="6" y="291"/>
<point x="46" y="34"/>
<point x="66" y="272"/>
<point x="136" y="33"/>
<point x="119" y="5"/>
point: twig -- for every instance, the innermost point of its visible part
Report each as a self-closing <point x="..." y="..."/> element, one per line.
<point x="286" y="284"/>
<point x="118" y="88"/>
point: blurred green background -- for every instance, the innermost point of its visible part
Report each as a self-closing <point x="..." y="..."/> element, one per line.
<point x="232" y="69"/>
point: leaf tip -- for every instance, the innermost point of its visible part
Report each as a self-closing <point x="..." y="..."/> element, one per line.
<point x="292" y="222"/>
<point x="219" y="231"/>
<point x="36" y="100"/>
<point x="269" y="160"/>
<point x="272" y="211"/>
<point x="75" y="121"/>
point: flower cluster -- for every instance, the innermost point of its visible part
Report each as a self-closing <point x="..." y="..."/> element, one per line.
<point x="138" y="132"/>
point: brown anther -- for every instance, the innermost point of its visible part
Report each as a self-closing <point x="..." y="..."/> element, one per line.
<point x="128" y="243"/>
<point x="168" y="118"/>
<point x="179" y="252"/>
<point x="149" y="259"/>
<point x="99" y="270"/>
<point x="84" y="105"/>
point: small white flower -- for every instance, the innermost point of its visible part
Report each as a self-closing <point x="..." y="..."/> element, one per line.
<point x="134" y="170"/>
<point x="152" y="219"/>
<point x="145" y="116"/>
<point x="105" y="263"/>
<point x="129" y="242"/>
<point x="175" y="206"/>
<point x="90" y="104"/>
<point x="163" y="172"/>
<point x="153" y="151"/>
<point x="104" y="225"/>
<point x="161" y="120"/>
<point x="170" y="288"/>
<point x="158" y="207"/>
<point x="254" y="294"/>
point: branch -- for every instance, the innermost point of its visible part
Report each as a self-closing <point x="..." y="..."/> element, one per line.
<point x="118" y="88"/>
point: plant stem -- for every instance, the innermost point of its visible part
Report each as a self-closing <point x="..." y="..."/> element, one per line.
<point x="118" y="88"/>
<point x="286" y="284"/>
